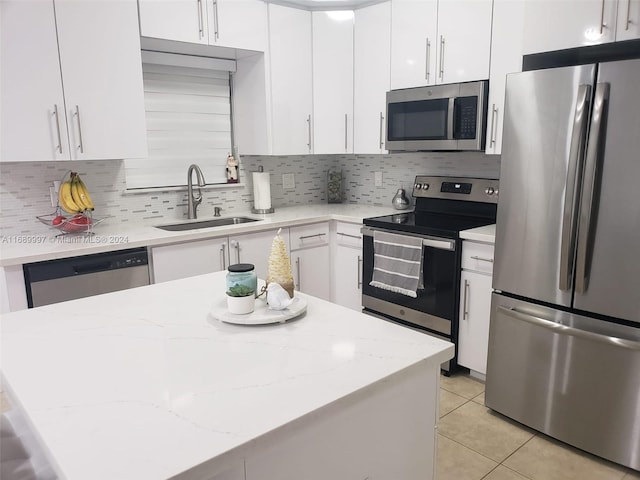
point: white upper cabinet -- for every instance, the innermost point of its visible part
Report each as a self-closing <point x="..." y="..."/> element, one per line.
<point x="464" y="40"/>
<point x="227" y="23"/>
<point x="291" y="80"/>
<point x="439" y="41"/>
<point x="414" y="31"/>
<point x="553" y="25"/>
<point x="180" y="20"/>
<point x="101" y="66"/>
<point x="238" y="23"/>
<point x="372" y="74"/>
<point x="100" y="113"/>
<point x="506" y="57"/>
<point x="628" y="24"/>
<point x="33" y="126"/>
<point x="332" y="82"/>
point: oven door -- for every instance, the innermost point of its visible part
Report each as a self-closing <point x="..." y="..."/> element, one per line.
<point x="435" y="307"/>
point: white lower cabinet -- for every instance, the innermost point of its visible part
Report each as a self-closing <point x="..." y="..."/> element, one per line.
<point x="347" y="265"/>
<point x="255" y="248"/>
<point x="310" y="259"/>
<point x="475" y="305"/>
<point x="182" y="260"/>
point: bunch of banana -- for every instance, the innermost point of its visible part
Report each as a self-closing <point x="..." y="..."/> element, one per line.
<point x="74" y="196"/>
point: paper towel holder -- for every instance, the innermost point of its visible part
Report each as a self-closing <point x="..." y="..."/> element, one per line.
<point x="262" y="210"/>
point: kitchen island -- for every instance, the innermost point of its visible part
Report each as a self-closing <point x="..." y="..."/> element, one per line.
<point x="145" y="384"/>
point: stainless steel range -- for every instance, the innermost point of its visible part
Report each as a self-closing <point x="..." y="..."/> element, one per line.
<point x="444" y="206"/>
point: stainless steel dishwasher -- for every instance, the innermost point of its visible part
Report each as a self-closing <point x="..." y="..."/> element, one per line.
<point x="56" y="281"/>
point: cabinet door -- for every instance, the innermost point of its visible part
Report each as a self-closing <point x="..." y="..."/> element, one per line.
<point x="311" y="271"/>
<point x="180" y="20"/>
<point x="553" y="25"/>
<point x="333" y="82"/>
<point x="33" y="125"/>
<point x="290" y="65"/>
<point x="255" y="248"/>
<point x="182" y="260"/>
<point x="99" y="45"/>
<point x="475" y="310"/>
<point x="464" y="40"/>
<point x="414" y="26"/>
<point x="372" y="73"/>
<point x="506" y="57"/>
<point x="347" y="277"/>
<point x="628" y="24"/>
<point x="238" y="23"/>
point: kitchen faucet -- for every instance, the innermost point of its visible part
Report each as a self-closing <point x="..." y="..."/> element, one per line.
<point x="194" y="200"/>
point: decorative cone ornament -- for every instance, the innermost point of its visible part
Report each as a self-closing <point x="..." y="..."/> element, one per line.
<point x="280" y="265"/>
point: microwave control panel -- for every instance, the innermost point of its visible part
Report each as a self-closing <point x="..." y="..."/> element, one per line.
<point x="466" y="115"/>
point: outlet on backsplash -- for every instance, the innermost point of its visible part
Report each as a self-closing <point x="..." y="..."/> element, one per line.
<point x="288" y="181"/>
<point x="377" y="179"/>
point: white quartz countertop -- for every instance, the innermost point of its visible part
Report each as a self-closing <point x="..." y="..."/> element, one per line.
<point x="145" y="384"/>
<point x="480" y="234"/>
<point x="17" y="250"/>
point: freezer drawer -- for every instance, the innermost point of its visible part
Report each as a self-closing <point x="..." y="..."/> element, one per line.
<point x="574" y="378"/>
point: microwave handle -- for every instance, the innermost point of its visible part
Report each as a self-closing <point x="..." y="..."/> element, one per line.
<point x="450" y="118"/>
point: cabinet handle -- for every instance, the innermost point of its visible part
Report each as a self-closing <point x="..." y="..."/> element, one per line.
<point x="349" y="235"/>
<point x="55" y="114"/>
<point x="223" y="261"/>
<point x="465" y="300"/>
<point x="427" y="59"/>
<point x="482" y="259"/>
<point x="628" y="15"/>
<point x="215" y="18"/>
<point x="494" y="112"/>
<point x="200" y="22"/>
<point x="441" y="57"/>
<point x="359" y="272"/>
<point x="602" y="24"/>
<point x="309" y="129"/>
<point x="311" y="236"/>
<point x="345" y="132"/>
<point x="81" y="145"/>
<point x="237" y="247"/>
<point x="381" y="131"/>
<point x="298" y="271"/>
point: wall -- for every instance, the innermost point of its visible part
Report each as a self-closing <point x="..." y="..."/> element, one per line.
<point x="24" y="187"/>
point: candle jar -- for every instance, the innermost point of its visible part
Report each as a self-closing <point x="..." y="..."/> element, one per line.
<point x="242" y="274"/>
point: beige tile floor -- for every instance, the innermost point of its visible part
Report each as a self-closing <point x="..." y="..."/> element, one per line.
<point x="475" y="443"/>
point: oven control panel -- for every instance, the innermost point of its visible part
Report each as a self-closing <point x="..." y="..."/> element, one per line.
<point x="470" y="189"/>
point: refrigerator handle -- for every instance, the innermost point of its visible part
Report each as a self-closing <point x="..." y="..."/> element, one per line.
<point x="592" y="174"/>
<point x="574" y="172"/>
<point x="572" y="331"/>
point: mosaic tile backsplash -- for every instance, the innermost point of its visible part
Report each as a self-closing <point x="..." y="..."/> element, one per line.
<point x="24" y="187"/>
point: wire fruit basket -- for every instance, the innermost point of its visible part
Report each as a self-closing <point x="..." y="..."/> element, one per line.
<point x="74" y="211"/>
<point x="79" y="223"/>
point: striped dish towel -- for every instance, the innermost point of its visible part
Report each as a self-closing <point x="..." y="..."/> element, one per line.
<point x="397" y="263"/>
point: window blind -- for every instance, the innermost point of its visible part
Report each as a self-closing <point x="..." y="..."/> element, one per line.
<point x="188" y="113"/>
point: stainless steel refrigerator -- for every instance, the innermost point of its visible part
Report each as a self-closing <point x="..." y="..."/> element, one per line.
<point x="564" y="342"/>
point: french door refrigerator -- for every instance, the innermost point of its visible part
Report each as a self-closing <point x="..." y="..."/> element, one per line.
<point x="564" y="342"/>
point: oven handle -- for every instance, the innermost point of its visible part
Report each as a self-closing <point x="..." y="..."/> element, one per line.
<point x="427" y="241"/>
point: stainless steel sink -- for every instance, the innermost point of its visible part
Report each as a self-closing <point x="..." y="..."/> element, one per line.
<point x="216" y="222"/>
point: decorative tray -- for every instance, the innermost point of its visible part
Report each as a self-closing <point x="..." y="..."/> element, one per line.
<point x="261" y="315"/>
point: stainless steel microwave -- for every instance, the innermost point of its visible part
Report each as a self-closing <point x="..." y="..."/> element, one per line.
<point x="440" y="117"/>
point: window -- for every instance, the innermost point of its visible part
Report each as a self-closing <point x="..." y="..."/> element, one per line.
<point x="188" y="112"/>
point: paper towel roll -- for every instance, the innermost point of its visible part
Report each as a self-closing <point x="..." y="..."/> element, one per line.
<point x="261" y="191"/>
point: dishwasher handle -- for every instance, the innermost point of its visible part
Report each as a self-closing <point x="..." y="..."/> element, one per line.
<point x="91" y="268"/>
